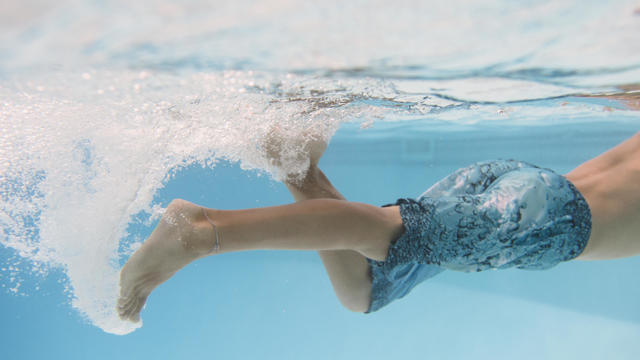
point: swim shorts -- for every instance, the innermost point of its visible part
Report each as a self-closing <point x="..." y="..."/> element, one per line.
<point x="490" y="215"/>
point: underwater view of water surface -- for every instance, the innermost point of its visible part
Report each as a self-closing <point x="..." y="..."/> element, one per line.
<point x="111" y="109"/>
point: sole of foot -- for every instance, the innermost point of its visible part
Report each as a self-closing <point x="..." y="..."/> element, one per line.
<point x="182" y="236"/>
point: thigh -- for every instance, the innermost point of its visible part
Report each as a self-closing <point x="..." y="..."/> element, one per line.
<point x="529" y="218"/>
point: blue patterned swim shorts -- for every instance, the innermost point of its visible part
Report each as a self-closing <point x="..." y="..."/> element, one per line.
<point x="490" y="215"/>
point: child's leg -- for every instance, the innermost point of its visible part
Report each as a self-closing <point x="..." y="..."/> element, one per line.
<point x="348" y="270"/>
<point x="611" y="185"/>
<point x="185" y="234"/>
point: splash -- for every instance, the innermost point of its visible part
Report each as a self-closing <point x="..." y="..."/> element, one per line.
<point x="79" y="161"/>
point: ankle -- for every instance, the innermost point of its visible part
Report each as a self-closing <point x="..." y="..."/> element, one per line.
<point x="199" y="234"/>
<point x="216" y="245"/>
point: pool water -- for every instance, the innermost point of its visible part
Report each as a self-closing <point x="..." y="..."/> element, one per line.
<point x="108" y="110"/>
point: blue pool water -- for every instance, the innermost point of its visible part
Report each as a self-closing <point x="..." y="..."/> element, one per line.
<point x="108" y="110"/>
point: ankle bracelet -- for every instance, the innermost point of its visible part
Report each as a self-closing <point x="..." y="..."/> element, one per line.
<point x="216" y="247"/>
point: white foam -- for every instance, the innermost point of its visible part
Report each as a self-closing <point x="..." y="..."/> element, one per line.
<point x="84" y="162"/>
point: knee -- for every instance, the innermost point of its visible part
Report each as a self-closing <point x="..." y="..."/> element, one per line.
<point x="357" y="306"/>
<point x="356" y="300"/>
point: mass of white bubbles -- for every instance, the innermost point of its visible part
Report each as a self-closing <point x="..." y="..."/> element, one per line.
<point x="78" y="161"/>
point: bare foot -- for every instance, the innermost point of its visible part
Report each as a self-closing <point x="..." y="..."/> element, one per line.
<point x="311" y="147"/>
<point x="182" y="236"/>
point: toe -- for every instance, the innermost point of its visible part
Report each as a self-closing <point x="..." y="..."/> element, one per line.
<point x="134" y="314"/>
<point x="125" y="304"/>
<point x="125" y="311"/>
<point x="130" y="308"/>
